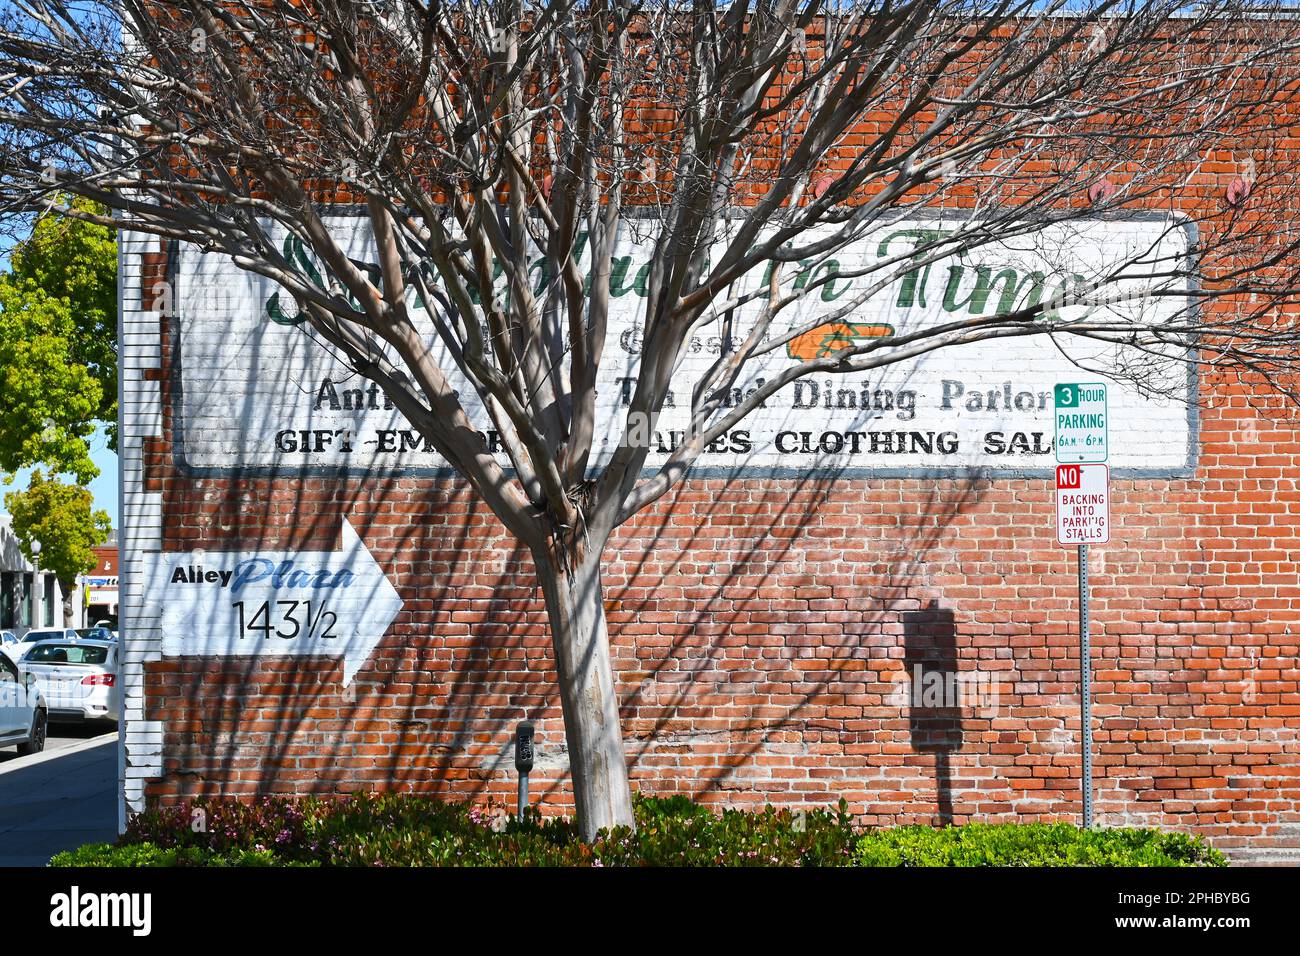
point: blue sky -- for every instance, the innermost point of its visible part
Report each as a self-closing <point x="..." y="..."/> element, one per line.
<point x="104" y="488"/>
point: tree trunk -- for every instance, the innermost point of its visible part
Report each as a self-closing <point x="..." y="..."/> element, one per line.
<point x="575" y="606"/>
<point x="69" y="594"/>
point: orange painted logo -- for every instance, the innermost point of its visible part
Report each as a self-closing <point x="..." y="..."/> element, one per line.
<point x="833" y="336"/>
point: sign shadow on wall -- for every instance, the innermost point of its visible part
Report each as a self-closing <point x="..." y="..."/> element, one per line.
<point x="933" y="702"/>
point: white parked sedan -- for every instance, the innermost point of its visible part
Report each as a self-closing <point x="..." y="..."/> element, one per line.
<point x="16" y="651"/>
<point x="78" y="678"/>
<point x="23" y="713"/>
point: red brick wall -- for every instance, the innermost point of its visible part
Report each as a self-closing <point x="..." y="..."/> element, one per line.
<point x="757" y="628"/>
<point x="105" y="561"/>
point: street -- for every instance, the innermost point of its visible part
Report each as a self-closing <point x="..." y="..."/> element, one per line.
<point x="61" y="798"/>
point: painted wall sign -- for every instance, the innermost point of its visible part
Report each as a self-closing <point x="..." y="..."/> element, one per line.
<point x="1082" y="504"/>
<point x="257" y="392"/>
<point x="263" y="603"/>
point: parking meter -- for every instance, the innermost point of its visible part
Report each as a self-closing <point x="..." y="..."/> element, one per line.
<point x="523" y="760"/>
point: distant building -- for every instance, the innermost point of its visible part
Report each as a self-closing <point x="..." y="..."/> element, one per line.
<point x="100" y="585"/>
<point x="29" y="600"/>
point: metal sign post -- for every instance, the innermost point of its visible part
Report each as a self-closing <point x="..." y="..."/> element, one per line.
<point x="1085" y="687"/>
<point x="1083" y="516"/>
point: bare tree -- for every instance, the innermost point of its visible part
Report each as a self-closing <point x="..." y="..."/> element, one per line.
<point x="748" y="146"/>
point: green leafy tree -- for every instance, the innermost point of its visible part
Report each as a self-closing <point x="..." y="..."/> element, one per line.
<point x="76" y="261"/>
<point x="58" y="345"/>
<point x="63" y="518"/>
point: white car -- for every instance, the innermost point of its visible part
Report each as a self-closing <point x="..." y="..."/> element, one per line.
<point x="78" y="678"/>
<point x="17" y="650"/>
<point x="23" y="712"/>
<point x="8" y="640"/>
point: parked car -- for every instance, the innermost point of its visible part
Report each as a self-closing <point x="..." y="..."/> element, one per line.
<point x="94" y="633"/>
<point x="7" y="640"/>
<point x="29" y="639"/>
<point x="78" y="678"/>
<point x="23" y="711"/>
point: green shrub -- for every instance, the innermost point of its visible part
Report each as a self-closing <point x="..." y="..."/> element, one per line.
<point x="395" y="829"/>
<point x="670" y="834"/>
<point x="149" y="854"/>
<point x="1030" y="844"/>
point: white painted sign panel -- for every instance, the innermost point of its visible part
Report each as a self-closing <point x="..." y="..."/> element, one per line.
<point x="257" y="392"/>
<point x="101" y="590"/>
<point x="1082" y="504"/>
<point x="264" y="603"/>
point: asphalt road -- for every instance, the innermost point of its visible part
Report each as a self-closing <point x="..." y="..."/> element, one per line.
<point x="61" y="736"/>
<point x="60" y="799"/>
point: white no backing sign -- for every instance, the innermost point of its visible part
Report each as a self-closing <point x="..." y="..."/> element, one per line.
<point x="1082" y="504"/>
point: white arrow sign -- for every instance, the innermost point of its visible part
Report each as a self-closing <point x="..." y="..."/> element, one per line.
<point x="273" y="603"/>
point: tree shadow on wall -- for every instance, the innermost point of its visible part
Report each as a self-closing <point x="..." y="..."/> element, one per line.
<point x="847" y="557"/>
<point x="469" y="655"/>
<point x="841" y="638"/>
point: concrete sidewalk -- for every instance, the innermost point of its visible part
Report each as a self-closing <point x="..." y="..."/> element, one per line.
<point x="58" y="800"/>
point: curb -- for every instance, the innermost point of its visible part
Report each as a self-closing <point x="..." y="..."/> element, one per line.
<point x="33" y="760"/>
